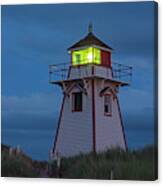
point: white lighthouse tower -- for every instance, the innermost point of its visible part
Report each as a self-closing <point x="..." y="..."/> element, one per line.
<point x="90" y="117"/>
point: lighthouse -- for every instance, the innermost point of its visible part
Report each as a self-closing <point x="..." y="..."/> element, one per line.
<point x="90" y="118"/>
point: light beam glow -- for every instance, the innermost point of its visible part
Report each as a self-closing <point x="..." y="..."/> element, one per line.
<point x="86" y="56"/>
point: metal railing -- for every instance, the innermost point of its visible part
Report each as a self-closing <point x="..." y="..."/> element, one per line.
<point x="122" y="72"/>
<point x="59" y="72"/>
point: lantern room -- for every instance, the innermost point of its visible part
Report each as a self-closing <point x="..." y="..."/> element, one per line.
<point x="90" y="50"/>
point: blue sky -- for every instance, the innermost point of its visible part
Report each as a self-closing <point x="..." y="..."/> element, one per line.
<point x="34" y="36"/>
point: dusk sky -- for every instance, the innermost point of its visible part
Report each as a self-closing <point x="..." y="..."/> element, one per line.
<point x="34" y="36"/>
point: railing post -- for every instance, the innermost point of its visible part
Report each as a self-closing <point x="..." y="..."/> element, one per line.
<point x="111" y="174"/>
<point x="10" y="151"/>
<point x="18" y="150"/>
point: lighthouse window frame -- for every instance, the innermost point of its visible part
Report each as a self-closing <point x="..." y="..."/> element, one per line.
<point x="107" y="104"/>
<point x="77" y="102"/>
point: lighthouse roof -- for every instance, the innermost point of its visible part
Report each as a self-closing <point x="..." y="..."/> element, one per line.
<point x="89" y="40"/>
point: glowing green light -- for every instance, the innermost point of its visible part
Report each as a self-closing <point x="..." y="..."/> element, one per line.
<point x="86" y="56"/>
<point x="90" y="57"/>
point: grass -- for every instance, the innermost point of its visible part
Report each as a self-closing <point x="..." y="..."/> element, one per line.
<point x="131" y="165"/>
<point x="16" y="165"/>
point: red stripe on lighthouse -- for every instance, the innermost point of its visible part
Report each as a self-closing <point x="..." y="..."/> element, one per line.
<point x="58" y="127"/>
<point x="60" y="116"/>
<point x="93" y="113"/>
<point x="122" y="126"/>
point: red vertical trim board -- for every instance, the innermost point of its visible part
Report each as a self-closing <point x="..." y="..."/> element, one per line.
<point x="58" y="126"/>
<point x="60" y="116"/>
<point x="93" y="113"/>
<point x="122" y="126"/>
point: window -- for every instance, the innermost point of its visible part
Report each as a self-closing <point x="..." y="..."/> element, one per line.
<point x="77" y="58"/>
<point x="77" y="102"/>
<point x="86" y="56"/>
<point x="107" y="105"/>
<point x="97" y="56"/>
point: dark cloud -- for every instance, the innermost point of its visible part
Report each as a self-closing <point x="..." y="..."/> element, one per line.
<point x="128" y="27"/>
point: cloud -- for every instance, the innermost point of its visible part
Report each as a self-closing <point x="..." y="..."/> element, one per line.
<point x="49" y="29"/>
<point x="135" y="100"/>
<point x="34" y="112"/>
<point x="35" y="104"/>
<point x="137" y="110"/>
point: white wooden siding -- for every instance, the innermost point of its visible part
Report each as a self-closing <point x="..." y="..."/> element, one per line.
<point x="102" y="71"/>
<point x="86" y="71"/>
<point x="109" y="132"/>
<point x="75" y="134"/>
